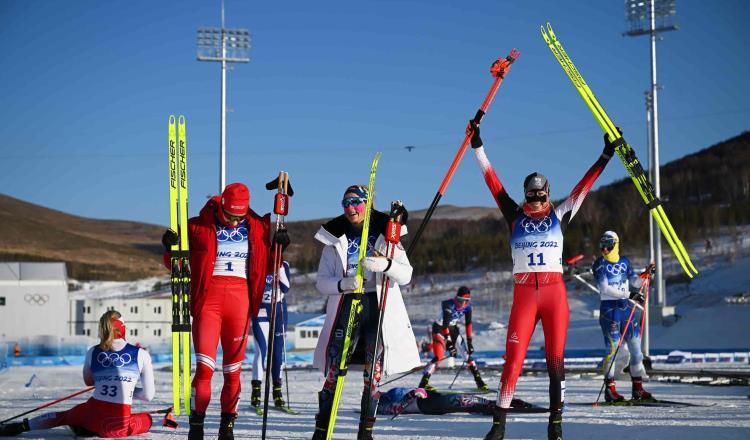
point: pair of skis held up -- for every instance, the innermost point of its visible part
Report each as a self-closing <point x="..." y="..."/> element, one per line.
<point x="180" y="262"/>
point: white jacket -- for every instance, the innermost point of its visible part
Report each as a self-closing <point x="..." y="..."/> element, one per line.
<point x="400" y="346"/>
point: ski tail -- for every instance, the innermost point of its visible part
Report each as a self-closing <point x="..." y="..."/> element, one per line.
<point x="625" y="152"/>
<point x="356" y="307"/>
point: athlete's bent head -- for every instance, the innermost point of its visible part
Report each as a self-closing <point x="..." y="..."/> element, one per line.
<point x="111" y="327"/>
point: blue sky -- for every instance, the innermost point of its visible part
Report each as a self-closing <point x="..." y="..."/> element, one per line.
<point x="87" y="87"/>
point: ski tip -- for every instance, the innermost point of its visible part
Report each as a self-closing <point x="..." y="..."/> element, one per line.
<point x="513" y="55"/>
<point x="544" y="35"/>
<point x="171" y="119"/>
<point x="181" y="120"/>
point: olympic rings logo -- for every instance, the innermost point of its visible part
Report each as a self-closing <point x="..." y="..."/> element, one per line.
<point x="236" y="235"/>
<point x="113" y="359"/>
<point x="617" y="268"/>
<point x="531" y="226"/>
<point x="36" y="299"/>
<point x="354" y="245"/>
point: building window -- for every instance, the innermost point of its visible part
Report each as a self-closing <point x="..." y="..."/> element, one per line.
<point x="157" y="332"/>
<point x="133" y="332"/>
<point x="88" y="332"/>
<point x="157" y="310"/>
<point x="88" y="309"/>
<point x="133" y="309"/>
<point x="314" y="333"/>
<point x="2" y="300"/>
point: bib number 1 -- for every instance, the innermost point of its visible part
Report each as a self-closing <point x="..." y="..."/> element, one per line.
<point x="539" y="260"/>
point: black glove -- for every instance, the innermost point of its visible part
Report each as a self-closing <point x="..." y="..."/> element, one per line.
<point x="169" y="239"/>
<point x="450" y="346"/>
<point x="637" y="297"/>
<point x="469" y="346"/>
<point x="473" y="129"/>
<point x="274" y="184"/>
<point x="401" y="211"/>
<point x="281" y="237"/>
<point x="609" y="148"/>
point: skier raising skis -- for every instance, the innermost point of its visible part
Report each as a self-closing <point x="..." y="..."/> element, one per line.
<point x="230" y="255"/>
<point x="260" y="335"/>
<point x="445" y="335"/>
<point x="536" y="229"/>
<point x="614" y="276"/>
<point x="113" y="367"/>
<point x="336" y="278"/>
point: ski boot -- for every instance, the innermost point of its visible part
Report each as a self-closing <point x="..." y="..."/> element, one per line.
<point x="365" y="428"/>
<point x="498" y="424"/>
<point x="278" y="395"/>
<point x="610" y="392"/>
<point x="15" y="428"/>
<point x="554" y="428"/>
<point x="425" y="382"/>
<point x="638" y="392"/>
<point x="255" y="395"/>
<point x="196" y="425"/>
<point x="481" y="386"/>
<point x="226" y="427"/>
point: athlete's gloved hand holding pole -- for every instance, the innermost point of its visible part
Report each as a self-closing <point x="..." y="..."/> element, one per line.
<point x="539" y="289"/>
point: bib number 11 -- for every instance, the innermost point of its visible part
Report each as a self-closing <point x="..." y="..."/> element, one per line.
<point x="539" y="259"/>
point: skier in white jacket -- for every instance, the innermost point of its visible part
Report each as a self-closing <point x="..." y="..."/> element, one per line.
<point x="336" y="278"/>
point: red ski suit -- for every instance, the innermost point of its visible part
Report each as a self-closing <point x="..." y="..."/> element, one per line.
<point x="539" y="290"/>
<point x="222" y="306"/>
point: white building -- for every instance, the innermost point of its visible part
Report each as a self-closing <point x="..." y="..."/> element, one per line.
<point x="306" y="333"/>
<point x="33" y="301"/>
<point x="146" y="310"/>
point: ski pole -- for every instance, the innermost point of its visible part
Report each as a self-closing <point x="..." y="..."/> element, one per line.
<point x="286" y="370"/>
<point x="62" y="399"/>
<point x="463" y="364"/>
<point x="619" y="344"/>
<point x="392" y="238"/>
<point x="413" y="370"/>
<point x="498" y="69"/>
<point x="280" y="208"/>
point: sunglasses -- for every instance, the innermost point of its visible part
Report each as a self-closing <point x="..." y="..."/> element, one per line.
<point x="608" y="245"/>
<point x="539" y="193"/>
<point x="462" y="300"/>
<point x="352" y="201"/>
<point x="232" y="218"/>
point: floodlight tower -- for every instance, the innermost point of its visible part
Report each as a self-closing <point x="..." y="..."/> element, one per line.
<point x="649" y="17"/>
<point x="224" y="46"/>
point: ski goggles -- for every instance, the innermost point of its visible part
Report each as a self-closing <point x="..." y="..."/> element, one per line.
<point x="608" y="244"/>
<point x="462" y="300"/>
<point x="352" y="201"/>
<point x="232" y="218"/>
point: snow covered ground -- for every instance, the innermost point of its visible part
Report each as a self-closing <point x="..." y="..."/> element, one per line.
<point x="728" y="417"/>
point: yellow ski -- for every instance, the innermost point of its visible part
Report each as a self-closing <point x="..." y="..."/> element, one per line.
<point x="623" y="149"/>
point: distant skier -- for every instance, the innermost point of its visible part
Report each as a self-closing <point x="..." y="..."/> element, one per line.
<point x="342" y="237"/>
<point x="614" y="277"/>
<point x="230" y="247"/>
<point x="536" y="243"/>
<point x="445" y="335"/>
<point x="113" y="367"/>
<point x="261" y="325"/>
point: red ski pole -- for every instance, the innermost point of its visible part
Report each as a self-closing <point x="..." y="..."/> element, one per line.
<point x="498" y="70"/>
<point x="49" y="404"/>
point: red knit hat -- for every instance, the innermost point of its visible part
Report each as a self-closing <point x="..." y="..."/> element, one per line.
<point x="235" y="199"/>
<point x="119" y="326"/>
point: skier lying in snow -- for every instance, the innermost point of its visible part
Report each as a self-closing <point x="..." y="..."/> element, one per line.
<point x="614" y="276"/>
<point x="107" y="412"/>
<point x="445" y="334"/>
<point x="431" y="401"/>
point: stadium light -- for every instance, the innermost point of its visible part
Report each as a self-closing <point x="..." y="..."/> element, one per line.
<point x="224" y="46"/>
